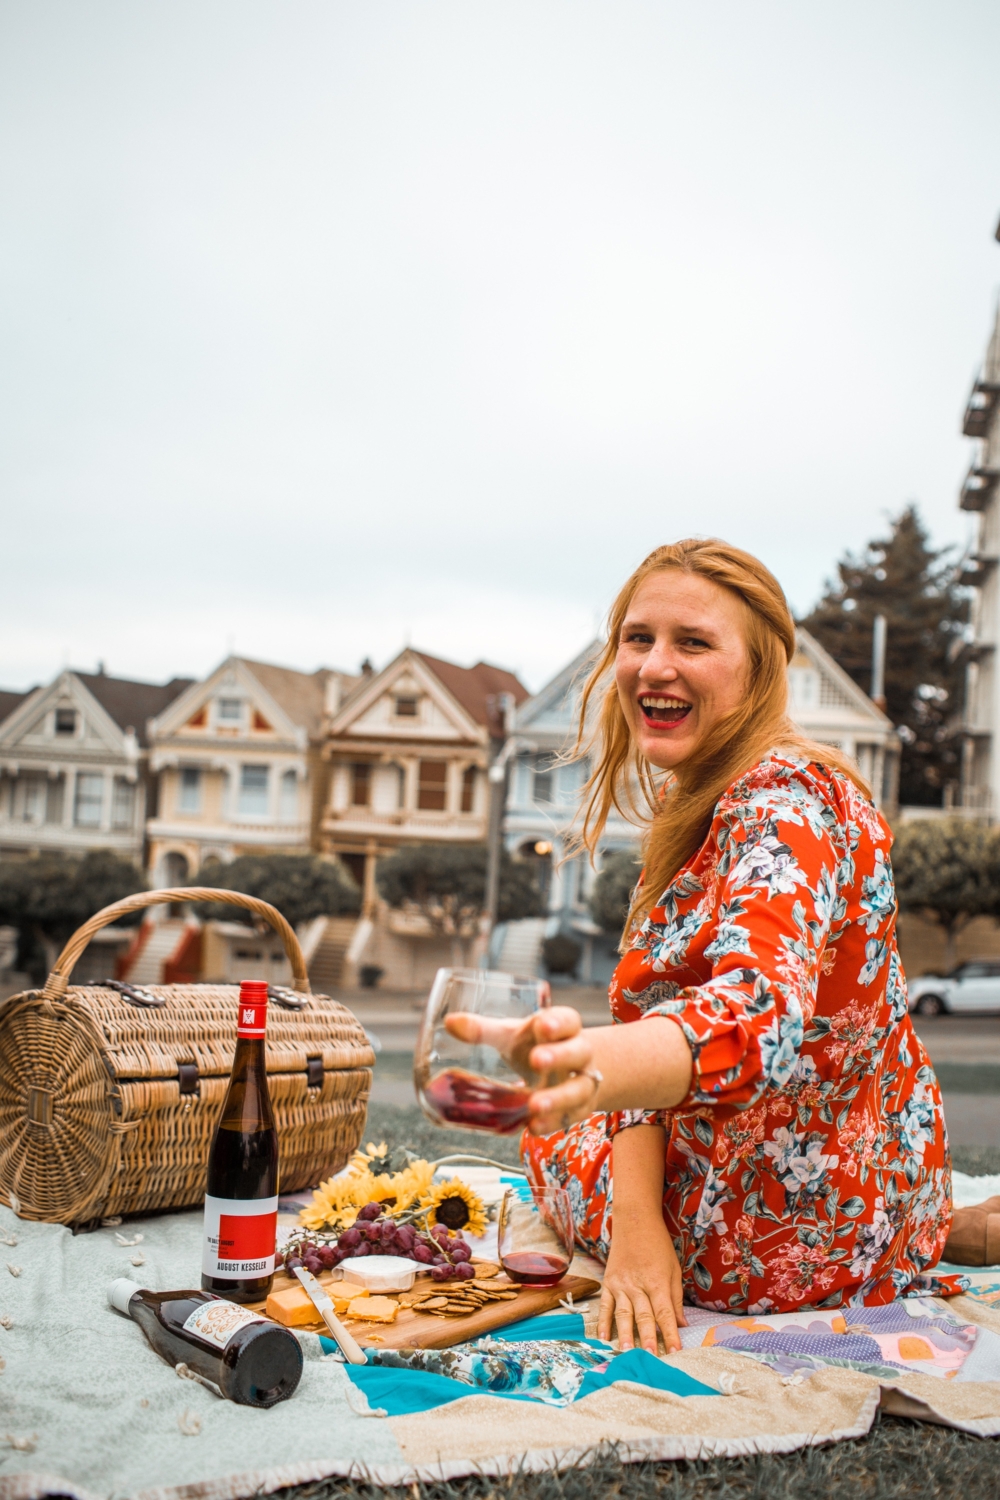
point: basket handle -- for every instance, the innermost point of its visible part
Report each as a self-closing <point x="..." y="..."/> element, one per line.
<point x="58" y="980"/>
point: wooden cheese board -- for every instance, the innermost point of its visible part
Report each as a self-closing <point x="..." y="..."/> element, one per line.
<point x="429" y="1330"/>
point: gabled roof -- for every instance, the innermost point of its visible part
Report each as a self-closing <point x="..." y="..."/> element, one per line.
<point x="301" y="694"/>
<point x="10" y="700"/>
<point x="473" y="687"/>
<point x="834" y="672"/>
<point x="130" y="704"/>
<point x="551" y="697"/>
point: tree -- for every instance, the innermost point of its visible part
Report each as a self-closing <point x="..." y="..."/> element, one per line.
<point x="48" y="897"/>
<point x="611" y="897"/>
<point x="301" y="886"/>
<point x="949" y="868"/>
<point x="447" y="883"/>
<point x="926" y="609"/>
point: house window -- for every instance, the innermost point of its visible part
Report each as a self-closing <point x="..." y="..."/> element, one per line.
<point x="122" y="803"/>
<point x="54" y="799"/>
<point x="361" y="784"/>
<point x="30" y="799"/>
<point x="468" y="788"/>
<point x="89" y="802"/>
<point x="288" y="800"/>
<point x="406" y="707"/>
<point x="230" y="710"/>
<point x="253" y="791"/>
<point x="65" y="721"/>
<point x="431" y="785"/>
<point x="544" y="788"/>
<point x="190" y="798"/>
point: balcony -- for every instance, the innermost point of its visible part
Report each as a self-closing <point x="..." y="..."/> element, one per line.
<point x="978" y="488"/>
<point x="979" y="408"/>
<point x="977" y="567"/>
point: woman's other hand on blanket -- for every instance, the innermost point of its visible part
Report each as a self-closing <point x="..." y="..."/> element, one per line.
<point x="552" y="1042"/>
<point x="642" y="1289"/>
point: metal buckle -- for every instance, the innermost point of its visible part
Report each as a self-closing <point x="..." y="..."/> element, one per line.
<point x="288" y="999"/>
<point x="130" y="992"/>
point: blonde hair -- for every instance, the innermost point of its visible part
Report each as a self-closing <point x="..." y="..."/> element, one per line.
<point x="680" y="806"/>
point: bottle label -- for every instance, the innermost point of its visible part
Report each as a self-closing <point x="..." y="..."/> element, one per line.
<point x="240" y="1235"/>
<point x="216" y="1322"/>
<point x="252" y="1018"/>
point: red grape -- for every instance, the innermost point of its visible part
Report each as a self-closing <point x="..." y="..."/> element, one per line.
<point x="460" y="1251"/>
<point x="422" y="1253"/>
<point x="464" y="1271"/>
<point x="370" y="1211"/>
<point x="350" y="1238"/>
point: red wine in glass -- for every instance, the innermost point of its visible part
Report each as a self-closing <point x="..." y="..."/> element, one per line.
<point x="534" y="1267"/>
<point x="478" y="1103"/>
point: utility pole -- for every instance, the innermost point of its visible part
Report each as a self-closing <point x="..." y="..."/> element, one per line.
<point x="877" y="693"/>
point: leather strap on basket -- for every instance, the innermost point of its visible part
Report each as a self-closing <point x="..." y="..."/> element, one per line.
<point x="58" y="981"/>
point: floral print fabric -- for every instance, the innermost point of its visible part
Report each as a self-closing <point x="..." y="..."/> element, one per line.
<point x="808" y="1165"/>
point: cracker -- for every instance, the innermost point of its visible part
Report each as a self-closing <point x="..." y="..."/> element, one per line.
<point x="485" y="1269"/>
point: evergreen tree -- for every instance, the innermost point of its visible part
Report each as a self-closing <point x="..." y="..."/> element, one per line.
<point x="926" y="608"/>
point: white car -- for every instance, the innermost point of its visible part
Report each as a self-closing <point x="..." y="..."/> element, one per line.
<point x="973" y="986"/>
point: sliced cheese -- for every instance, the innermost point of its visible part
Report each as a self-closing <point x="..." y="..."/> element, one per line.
<point x="293" y="1308"/>
<point x="374" y="1309"/>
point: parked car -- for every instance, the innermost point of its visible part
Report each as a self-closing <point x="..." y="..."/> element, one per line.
<point x="973" y="986"/>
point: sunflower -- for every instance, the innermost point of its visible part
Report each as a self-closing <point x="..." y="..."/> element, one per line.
<point x="455" y="1205"/>
<point x="335" y="1203"/>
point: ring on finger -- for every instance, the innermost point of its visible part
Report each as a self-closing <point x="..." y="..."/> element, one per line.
<point x="594" y="1074"/>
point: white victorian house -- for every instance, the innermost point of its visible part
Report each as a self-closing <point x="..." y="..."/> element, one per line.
<point x="235" y="758"/>
<point x="73" y="764"/>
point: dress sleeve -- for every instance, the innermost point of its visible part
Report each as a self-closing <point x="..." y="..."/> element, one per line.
<point x="771" y="908"/>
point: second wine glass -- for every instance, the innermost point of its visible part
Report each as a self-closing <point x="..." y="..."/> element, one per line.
<point x="472" y="1086"/>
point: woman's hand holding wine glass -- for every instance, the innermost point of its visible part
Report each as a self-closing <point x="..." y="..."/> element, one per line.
<point x="551" y="1044"/>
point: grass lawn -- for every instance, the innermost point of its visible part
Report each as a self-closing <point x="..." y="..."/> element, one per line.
<point x="908" y="1460"/>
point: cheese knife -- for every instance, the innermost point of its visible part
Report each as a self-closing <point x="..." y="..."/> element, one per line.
<point x="349" y="1347"/>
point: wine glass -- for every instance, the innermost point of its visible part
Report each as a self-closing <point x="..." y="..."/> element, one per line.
<point x="535" y="1239"/>
<point x="472" y="1086"/>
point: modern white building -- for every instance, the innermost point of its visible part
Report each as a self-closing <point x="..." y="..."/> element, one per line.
<point x="980" y="791"/>
<point x="73" y="764"/>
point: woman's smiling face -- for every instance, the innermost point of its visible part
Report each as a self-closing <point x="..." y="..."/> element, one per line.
<point x="681" y="663"/>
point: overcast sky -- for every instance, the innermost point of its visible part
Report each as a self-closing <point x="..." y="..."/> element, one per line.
<point x="330" y="327"/>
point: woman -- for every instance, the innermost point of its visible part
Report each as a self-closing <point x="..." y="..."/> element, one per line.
<point x="767" y="1118"/>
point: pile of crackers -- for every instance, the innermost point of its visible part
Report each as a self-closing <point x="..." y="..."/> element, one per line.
<point x="464" y="1297"/>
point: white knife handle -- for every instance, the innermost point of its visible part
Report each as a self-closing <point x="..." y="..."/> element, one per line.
<point x="350" y="1348"/>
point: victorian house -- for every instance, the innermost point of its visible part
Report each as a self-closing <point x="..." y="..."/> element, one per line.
<point x="407" y="753"/>
<point x="74" y="764"/>
<point x="236" y="759"/>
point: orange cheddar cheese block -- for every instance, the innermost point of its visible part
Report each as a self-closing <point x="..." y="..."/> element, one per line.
<point x="292" y="1306"/>
<point x="374" y="1309"/>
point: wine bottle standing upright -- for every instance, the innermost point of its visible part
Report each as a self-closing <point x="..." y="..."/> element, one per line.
<point x="241" y="1200"/>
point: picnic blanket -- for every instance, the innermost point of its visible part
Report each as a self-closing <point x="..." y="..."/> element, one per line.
<point x="88" y="1410"/>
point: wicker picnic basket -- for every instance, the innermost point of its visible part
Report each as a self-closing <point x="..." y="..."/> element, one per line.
<point x="109" y="1093"/>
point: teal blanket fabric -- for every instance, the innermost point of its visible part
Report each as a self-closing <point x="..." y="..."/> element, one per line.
<point x="401" y="1391"/>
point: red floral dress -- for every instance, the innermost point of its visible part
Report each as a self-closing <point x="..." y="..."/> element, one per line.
<point x="809" y="1164"/>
